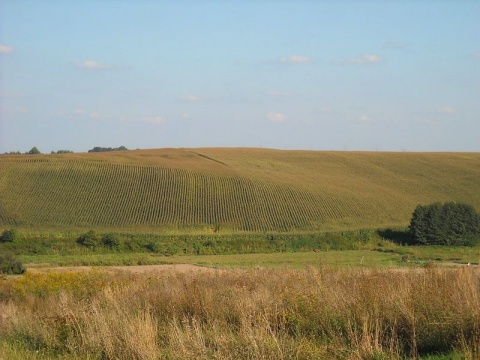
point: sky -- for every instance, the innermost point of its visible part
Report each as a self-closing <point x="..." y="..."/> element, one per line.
<point x="313" y="75"/>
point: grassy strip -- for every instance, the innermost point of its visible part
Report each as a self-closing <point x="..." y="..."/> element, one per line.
<point x="191" y="244"/>
<point x="57" y="249"/>
<point x="296" y="260"/>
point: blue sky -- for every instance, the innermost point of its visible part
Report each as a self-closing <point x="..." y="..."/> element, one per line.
<point x="326" y="75"/>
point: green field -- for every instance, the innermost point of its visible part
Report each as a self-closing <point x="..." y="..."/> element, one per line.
<point x="226" y="190"/>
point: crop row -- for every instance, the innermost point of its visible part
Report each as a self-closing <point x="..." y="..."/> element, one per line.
<point x="76" y="193"/>
<point x="255" y="192"/>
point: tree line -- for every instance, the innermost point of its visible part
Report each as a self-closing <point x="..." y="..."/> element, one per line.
<point x="35" y="151"/>
<point x="103" y="149"/>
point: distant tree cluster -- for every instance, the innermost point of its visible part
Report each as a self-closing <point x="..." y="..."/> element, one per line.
<point x="32" y="151"/>
<point x="103" y="149"/>
<point x="445" y="224"/>
<point x="13" y="153"/>
<point x="62" y="152"/>
<point x="35" y="151"/>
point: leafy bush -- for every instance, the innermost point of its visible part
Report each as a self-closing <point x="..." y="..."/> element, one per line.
<point x="10" y="265"/>
<point x="89" y="239"/>
<point x="9" y="236"/>
<point x="111" y="241"/>
<point x="445" y="224"/>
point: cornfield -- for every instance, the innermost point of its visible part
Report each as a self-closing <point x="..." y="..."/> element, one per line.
<point x="230" y="189"/>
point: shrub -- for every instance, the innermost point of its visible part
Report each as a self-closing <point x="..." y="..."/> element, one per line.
<point x="9" y="236"/>
<point x="445" y="224"/>
<point x="10" y="265"/>
<point x="89" y="239"/>
<point x="110" y="241"/>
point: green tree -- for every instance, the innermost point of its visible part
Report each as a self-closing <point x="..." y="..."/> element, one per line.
<point x="34" y="151"/>
<point x="445" y="224"/>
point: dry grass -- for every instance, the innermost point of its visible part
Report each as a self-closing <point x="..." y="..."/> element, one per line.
<point x="245" y="314"/>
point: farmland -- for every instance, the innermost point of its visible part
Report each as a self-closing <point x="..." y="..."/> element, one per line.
<point x="249" y="219"/>
<point x="229" y="190"/>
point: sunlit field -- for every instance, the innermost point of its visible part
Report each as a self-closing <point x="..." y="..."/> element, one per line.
<point x="229" y="190"/>
<point x="318" y="312"/>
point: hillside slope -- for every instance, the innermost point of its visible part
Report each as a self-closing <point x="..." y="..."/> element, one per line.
<point x="230" y="189"/>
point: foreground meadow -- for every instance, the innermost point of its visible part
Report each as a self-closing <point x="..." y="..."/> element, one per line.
<point x="318" y="312"/>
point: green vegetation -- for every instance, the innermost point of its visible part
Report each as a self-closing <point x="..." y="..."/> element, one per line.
<point x="34" y="151"/>
<point x="9" y="236"/>
<point x="445" y="224"/>
<point x="103" y="149"/>
<point x="229" y="191"/>
<point x="9" y="264"/>
<point x="190" y="244"/>
<point x="62" y="152"/>
<point x="276" y="249"/>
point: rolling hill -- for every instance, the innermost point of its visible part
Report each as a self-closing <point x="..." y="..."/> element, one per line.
<point x="230" y="189"/>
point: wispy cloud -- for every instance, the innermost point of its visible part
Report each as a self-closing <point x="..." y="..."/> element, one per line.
<point x="277" y="117"/>
<point x="476" y="54"/>
<point x="295" y="59"/>
<point x="89" y="114"/>
<point x="366" y="59"/>
<point x="156" y="120"/>
<point x="364" y="118"/>
<point x="447" y="110"/>
<point x="4" y="49"/>
<point x="191" y="98"/>
<point x="93" y="65"/>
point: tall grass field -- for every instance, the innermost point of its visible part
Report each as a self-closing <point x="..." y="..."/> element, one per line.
<point x="229" y="189"/>
<point x="317" y="313"/>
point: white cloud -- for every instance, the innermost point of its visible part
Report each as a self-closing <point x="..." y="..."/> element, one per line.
<point x="364" y="118"/>
<point x="367" y="59"/>
<point x="295" y="59"/>
<point x="476" y="54"/>
<point x="191" y="98"/>
<point x="277" y="117"/>
<point x="93" y="65"/>
<point x="157" y="120"/>
<point x="4" y="49"/>
<point x="447" y="110"/>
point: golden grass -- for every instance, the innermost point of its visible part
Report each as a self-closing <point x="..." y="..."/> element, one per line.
<point x="205" y="190"/>
<point x="247" y="314"/>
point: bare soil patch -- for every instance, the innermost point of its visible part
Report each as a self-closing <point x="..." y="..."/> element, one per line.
<point x="136" y="269"/>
